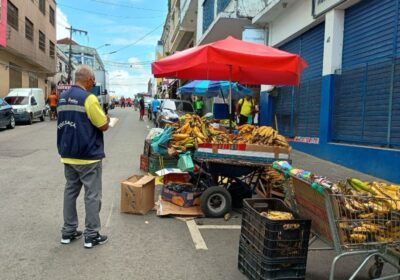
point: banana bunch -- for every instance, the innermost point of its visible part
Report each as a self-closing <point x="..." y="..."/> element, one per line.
<point x="263" y="135"/>
<point x="372" y="210"/>
<point x="277" y="215"/>
<point x="273" y="178"/>
<point x="193" y="130"/>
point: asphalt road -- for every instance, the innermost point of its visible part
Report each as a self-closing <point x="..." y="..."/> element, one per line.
<point x="139" y="247"/>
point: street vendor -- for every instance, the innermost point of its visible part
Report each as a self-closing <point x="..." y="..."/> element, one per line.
<point x="198" y="106"/>
<point x="244" y="109"/>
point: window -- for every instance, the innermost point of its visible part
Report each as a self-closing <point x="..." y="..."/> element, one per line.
<point x="33" y="81"/>
<point x="12" y="15"/>
<point x="60" y="67"/>
<point x="33" y="101"/>
<point x="51" y="51"/>
<point x="52" y="16"/>
<point x="28" y="29"/>
<point x="17" y="100"/>
<point x="42" y="6"/>
<point x="42" y="41"/>
<point x="15" y="76"/>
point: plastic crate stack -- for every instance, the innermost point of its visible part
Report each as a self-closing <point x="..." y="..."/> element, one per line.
<point x="272" y="249"/>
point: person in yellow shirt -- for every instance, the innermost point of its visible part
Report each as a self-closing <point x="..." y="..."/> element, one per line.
<point x="244" y="109"/>
<point x="80" y="126"/>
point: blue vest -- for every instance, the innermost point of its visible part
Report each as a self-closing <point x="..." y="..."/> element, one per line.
<point x="77" y="137"/>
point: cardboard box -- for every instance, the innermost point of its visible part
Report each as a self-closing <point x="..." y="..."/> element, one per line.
<point x="165" y="208"/>
<point x="137" y="194"/>
<point x="183" y="199"/>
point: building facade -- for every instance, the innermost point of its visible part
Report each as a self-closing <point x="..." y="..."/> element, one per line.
<point x="347" y="107"/>
<point x="85" y="55"/>
<point x="27" y="47"/>
<point x="61" y="76"/>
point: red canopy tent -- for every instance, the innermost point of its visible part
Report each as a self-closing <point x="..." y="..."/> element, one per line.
<point x="234" y="60"/>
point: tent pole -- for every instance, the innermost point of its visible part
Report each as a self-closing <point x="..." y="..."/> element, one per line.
<point x="230" y="99"/>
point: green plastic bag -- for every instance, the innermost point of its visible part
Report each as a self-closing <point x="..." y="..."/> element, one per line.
<point x="185" y="162"/>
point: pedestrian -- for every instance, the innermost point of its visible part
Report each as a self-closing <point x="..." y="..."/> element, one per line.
<point x="106" y="102"/>
<point x="198" y="106"/>
<point x="81" y="123"/>
<point x="244" y="109"/>
<point x="52" y="101"/>
<point x="136" y="103"/>
<point x="141" y="108"/>
<point x="155" y="104"/>
<point x="122" y="101"/>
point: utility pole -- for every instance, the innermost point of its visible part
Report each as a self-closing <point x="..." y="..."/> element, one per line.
<point x="72" y="30"/>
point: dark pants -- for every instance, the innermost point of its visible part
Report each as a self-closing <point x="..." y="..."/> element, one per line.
<point x="88" y="175"/>
<point x="243" y="119"/>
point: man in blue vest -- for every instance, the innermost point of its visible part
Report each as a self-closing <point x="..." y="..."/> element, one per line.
<point x="80" y="126"/>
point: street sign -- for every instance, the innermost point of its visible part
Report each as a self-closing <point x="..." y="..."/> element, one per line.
<point x="61" y="88"/>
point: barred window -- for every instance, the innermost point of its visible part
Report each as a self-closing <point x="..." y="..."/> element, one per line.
<point x="12" y="15"/>
<point x="52" y="16"/>
<point x="42" y="41"/>
<point x="42" y="6"/>
<point x="28" y="29"/>
<point x="52" y="48"/>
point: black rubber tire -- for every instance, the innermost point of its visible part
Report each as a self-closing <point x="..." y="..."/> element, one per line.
<point x="30" y="121"/>
<point x="215" y="195"/>
<point x="375" y="271"/>
<point x="11" y="125"/>
<point x="42" y="117"/>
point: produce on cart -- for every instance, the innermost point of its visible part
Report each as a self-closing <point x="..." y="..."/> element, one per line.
<point x="361" y="218"/>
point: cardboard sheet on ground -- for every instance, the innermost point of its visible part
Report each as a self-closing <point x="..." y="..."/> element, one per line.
<point x="113" y="122"/>
<point x="165" y="208"/>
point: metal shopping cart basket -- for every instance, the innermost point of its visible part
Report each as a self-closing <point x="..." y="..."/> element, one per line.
<point x="351" y="225"/>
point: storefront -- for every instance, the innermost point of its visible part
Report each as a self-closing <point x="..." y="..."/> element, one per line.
<point x="347" y="107"/>
<point x="297" y="108"/>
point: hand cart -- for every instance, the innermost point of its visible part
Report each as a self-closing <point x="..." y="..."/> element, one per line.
<point x="229" y="172"/>
<point x="371" y="229"/>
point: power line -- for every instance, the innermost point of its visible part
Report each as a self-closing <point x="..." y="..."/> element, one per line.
<point x="106" y="14"/>
<point x="138" y="40"/>
<point x="125" y="6"/>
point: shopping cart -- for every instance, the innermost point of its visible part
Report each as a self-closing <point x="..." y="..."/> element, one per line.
<point x="350" y="225"/>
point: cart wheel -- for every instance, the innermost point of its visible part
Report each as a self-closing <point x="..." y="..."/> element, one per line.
<point x="375" y="271"/>
<point x="216" y="202"/>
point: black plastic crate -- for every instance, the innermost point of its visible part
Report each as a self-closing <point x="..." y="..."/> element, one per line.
<point x="272" y="238"/>
<point x="258" y="267"/>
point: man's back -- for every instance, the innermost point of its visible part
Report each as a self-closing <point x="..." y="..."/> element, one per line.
<point x="155" y="104"/>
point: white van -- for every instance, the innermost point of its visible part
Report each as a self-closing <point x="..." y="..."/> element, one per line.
<point x="27" y="103"/>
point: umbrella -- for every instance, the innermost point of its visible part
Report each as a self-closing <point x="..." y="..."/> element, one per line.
<point x="207" y="88"/>
<point x="234" y="60"/>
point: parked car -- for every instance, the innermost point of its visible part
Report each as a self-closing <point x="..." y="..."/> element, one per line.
<point x="171" y="110"/>
<point x="27" y="103"/>
<point x="7" y="118"/>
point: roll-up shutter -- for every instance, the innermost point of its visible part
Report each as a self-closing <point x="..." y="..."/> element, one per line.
<point x="298" y="108"/>
<point x="367" y="96"/>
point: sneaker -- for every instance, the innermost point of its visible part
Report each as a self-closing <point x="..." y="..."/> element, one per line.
<point x="66" y="239"/>
<point x="90" y="242"/>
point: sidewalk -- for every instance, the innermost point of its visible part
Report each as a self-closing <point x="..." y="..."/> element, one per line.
<point x="331" y="171"/>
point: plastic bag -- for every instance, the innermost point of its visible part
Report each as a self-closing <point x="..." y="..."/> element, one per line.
<point x="154" y="132"/>
<point x="159" y="144"/>
<point x="185" y="162"/>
